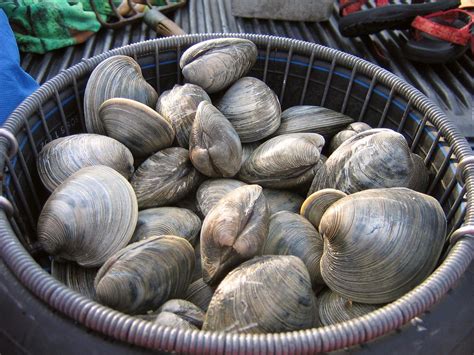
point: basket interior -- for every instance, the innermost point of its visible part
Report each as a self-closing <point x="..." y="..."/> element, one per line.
<point x="297" y="78"/>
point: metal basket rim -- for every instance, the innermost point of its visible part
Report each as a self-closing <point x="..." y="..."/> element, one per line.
<point x="142" y="333"/>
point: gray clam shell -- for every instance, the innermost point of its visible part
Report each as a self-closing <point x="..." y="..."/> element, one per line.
<point x="76" y="277"/>
<point x="281" y="200"/>
<point x="211" y="191"/>
<point x="117" y="76"/>
<point x="215" y="64"/>
<point x="169" y="319"/>
<point x="350" y="131"/>
<point x="200" y="294"/>
<point x="252" y="108"/>
<point x="185" y="310"/>
<point x="64" y="156"/>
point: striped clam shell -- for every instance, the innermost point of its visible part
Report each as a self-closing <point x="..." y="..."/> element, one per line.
<point x="281" y="200"/>
<point x="350" y="131"/>
<point x="76" y="277"/>
<point x="211" y="191"/>
<point x="200" y="294"/>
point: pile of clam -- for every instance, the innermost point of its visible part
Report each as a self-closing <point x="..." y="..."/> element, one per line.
<point x="206" y="207"/>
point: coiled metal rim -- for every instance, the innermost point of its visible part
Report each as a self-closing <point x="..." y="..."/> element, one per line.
<point x="139" y="332"/>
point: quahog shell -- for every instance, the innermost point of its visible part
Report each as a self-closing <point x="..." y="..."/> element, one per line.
<point x="312" y="119"/>
<point x="233" y="231"/>
<point x="291" y="234"/>
<point x="117" y="76"/>
<point x="247" y="150"/>
<point x="197" y="274"/>
<point x="140" y="128"/>
<point x="185" y="310"/>
<point x="350" y="131"/>
<point x="252" y="108"/>
<point x="381" y="243"/>
<point x="316" y="204"/>
<point x="376" y="158"/>
<point x="216" y="63"/>
<point x="214" y="145"/>
<point x="167" y="221"/>
<point x="145" y="274"/>
<point x="281" y="200"/>
<point x="262" y="296"/>
<point x="164" y="178"/>
<point x="200" y="294"/>
<point x="334" y="309"/>
<point x="286" y="161"/>
<point x="172" y="320"/>
<point x="179" y="106"/>
<point x="76" y="277"/>
<point x="89" y="217"/>
<point x="64" y="156"/>
<point x="211" y="191"/>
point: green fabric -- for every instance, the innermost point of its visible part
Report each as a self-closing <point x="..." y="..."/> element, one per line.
<point x="43" y="25"/>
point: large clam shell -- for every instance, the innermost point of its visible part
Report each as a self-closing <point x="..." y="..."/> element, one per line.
<point x="312" y="119"/>
<point x="252" y="108"/>
<point x="167" y="221"/>
<point x="286" y="161"/>
<point x="350" y="131"/>
<point x="263" y="296"/>
<point x="140" y="128"/>
<point x="211" y="191"/>
<point x="281" y="200"/>
<point x="164" y="178"/>
<point x="117" y="76"/>
<point x="200" y="294"/>
<point x="214" y="145"/>
<point x="292" y="234"/>
<point x="334" y="309"/>
<point x="381" y="243"/>
<point x="64" y="156"/>
<point x="185" y="310"/>
<point x="89" y="217"/>
<point x="372" y="159"/>
<point x="145" y="274"/>
<point x="216" y="63"/>
<point x="233" y="231"/>
<point x="76" y="277"/>
<point x="179" y="106"/>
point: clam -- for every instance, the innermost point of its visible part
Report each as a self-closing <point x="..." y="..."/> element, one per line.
<point x="334" y="309"/>
<point x="89" y="217"/>
<point x="117" y="76"/>
<point x="189" y="202"/>
<point x="312" y="119"/>
<point x="380" y="243"/>
<point x="167" y="221"/>
<point x="262" y="296"/>
<point x="197" y="274"/>
<point x="252" y="108"/>
<point x="372" y="159"/>
<point x="286" y="161"/>
<point x="200" y="294"/>
<point x="179" y="106"/>
<point x="316" y="204"/>
<point x="247" y="150"/>
<point x="140" y="128"/>
<point x="78" y="278"/>
<point x="216" y="63"/>
<point x="233" y="231"/>
<point x="350" y="131"/>
<point x="64" y="156"/>
<point x="281" y="200"/>
<point x="211" y="191"/>
<point x="164" y="178"/>
<point x="185" y="310"/>
<point x="172" y="320"/>
<point x="214" y="145"/>
<point x="145" y="274"/>
<point x="291" y="234"/>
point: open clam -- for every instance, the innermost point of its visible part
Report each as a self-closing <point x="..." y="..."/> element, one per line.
<point x="145" y="274"/>
<point x="350" y="131"/>
<point x="252" y="108"/>
<point x="216" y="63"/>
<point x="179" y="106"/>
<point x="211" y="191"/>
<point x="76" y="277"/>
<point x="64" y="156"/>
<point x="89" y="217"/>
<point x="233" y="231"/>
<point x="164" y="178"/>
<point x="261" y="296"/>
<point x="117" y="76"/>
<point x="281" y="200"/>
<point x="214" y="145"/>
<point x="140" y="128"/>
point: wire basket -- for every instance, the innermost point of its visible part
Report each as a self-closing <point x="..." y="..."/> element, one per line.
<point x="300" y="73"/>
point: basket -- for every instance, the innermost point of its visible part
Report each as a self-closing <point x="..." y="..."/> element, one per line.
<point x="300" y="73"/>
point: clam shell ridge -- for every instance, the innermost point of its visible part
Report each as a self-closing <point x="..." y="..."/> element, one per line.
<point x="215" y="64"/>
<point x="137" y="126"/>
<point x="381" y="243"/>
<point x="200" y="294"/>
<point x="64" y="156"/>
<point x="261" y="296"/>
<point x="179" y="106"/>
<point x="117" y="76"/>
<point x="211" y="191"/>
<point x="76" y="277"/>
<point x="89" y="217"/>
<point x="316" y="204"/>
<point x="145" y="274"/>
<point x="233" y="231"/>
<point x="252" y="108"/>
<point x="350" y="131"/>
